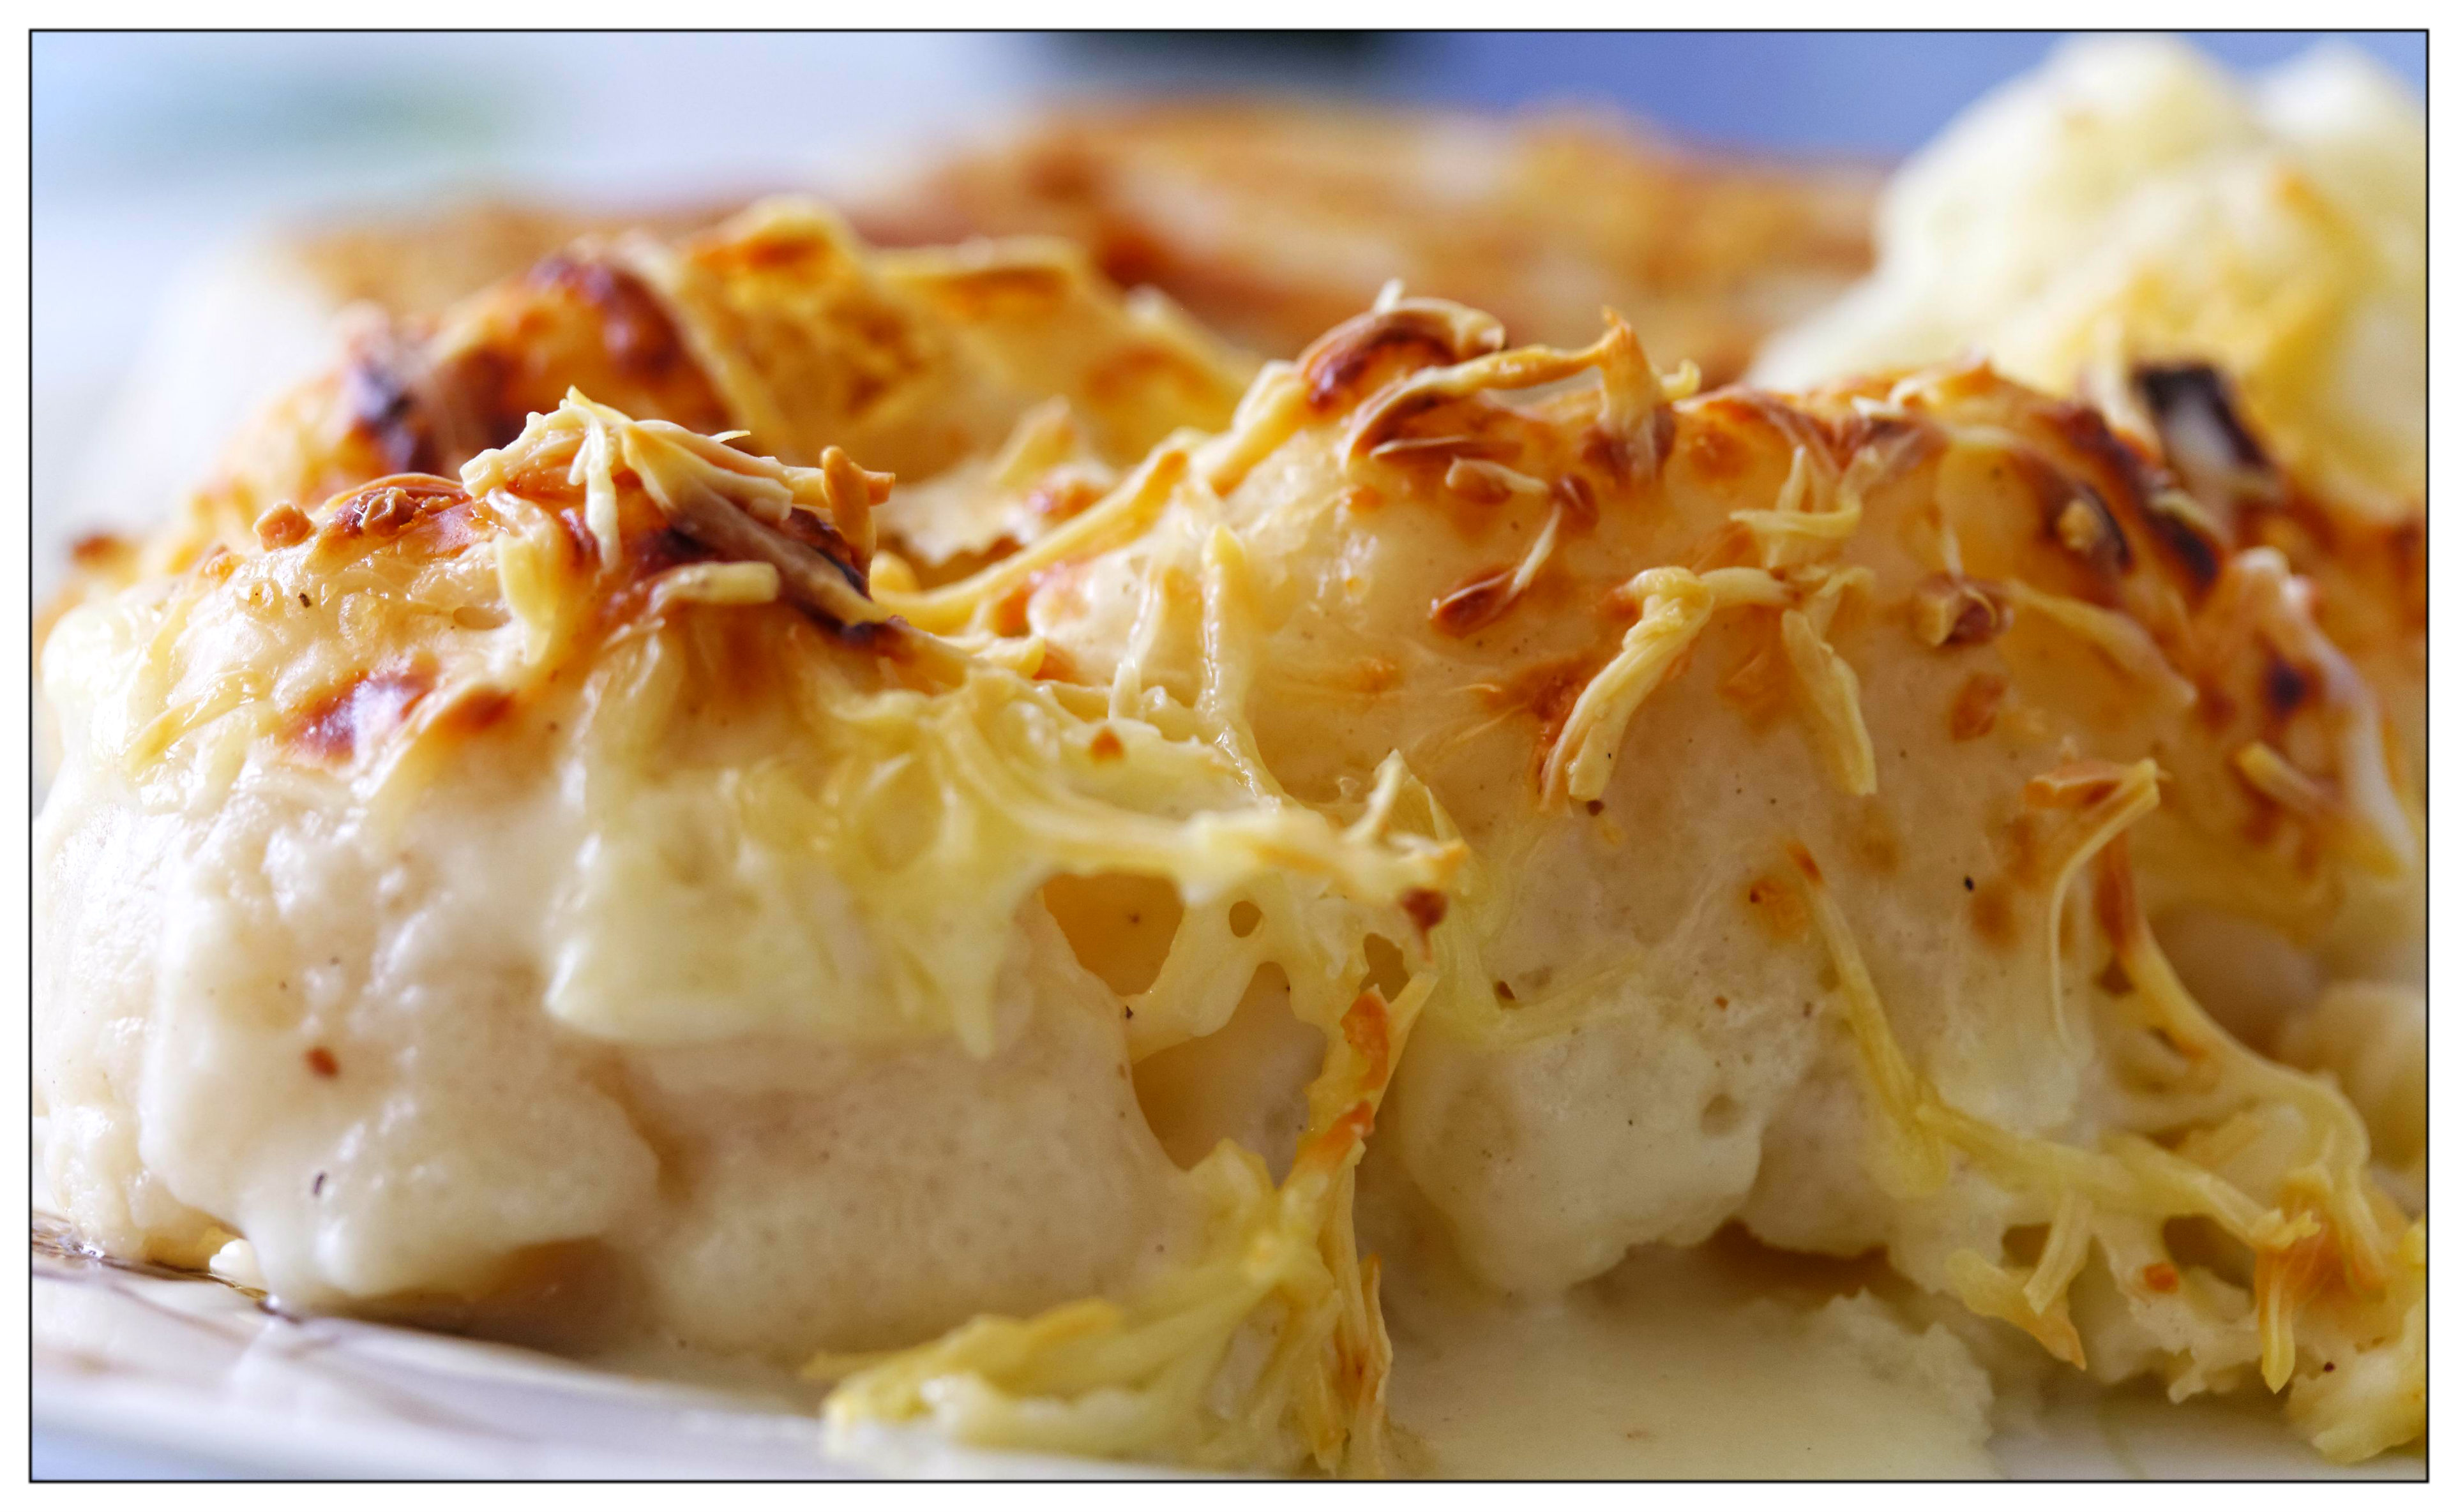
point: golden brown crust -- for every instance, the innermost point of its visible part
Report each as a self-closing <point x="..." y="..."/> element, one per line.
<point x="778" y="321"/>
<point x="1955" y="535"/>
<point x="417" y="267"/>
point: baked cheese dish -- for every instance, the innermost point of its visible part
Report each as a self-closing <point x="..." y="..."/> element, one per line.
<point x="911" y="817"/>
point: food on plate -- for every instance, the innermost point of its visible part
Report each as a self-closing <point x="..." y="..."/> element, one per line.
<point x="2235" y="271"/>
<point x="778" y="321"/>
<point x="417" y="267"/>
<point x="906" y="815"/>
<point x="2235" y="275"/>
<point x="1821" y="758"/>
<point x="1274" y="221"/>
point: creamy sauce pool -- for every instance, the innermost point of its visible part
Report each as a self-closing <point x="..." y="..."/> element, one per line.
<point x="1673" y="1367"/>
<point x="1678" y="1365"/>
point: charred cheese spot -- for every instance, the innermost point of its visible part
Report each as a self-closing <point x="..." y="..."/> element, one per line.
<point x="1546" y="691"/>
<point x="2285" y="687"/>
<point x="477" y="709"/>
<point x="1758" y="684"/>
<point x="1776" y="905"/>
<point x="1714" y="452"/>
<point x="338" y="725"/>
<point x="1360" y="356"/>
<point x="1577" y="499"/>
<point x="2084" y="525"/>
<point x="383" y="409"/>
<point x="1873" y="840"/>
<point x="1020" y="290"/>
<point x="2190" y="537"/>
<point x="775" y="250"/>
<point x="1993" y="914"/>
<point x="1056" y="665"/>
<point x="639" y="336"/>
<point x="2024" y="849"/>
<point x="1475" y="603"/>
<point x="1975" y="710"/>
<point x="1949" y="611"/>
<point x="387" y="507"/>
<point x="1056" y="503"/>
<point x="1376" y="674"/>
<point x="1425" y="908"/>
<point x="97" y="549"/>
<point x="283" y="525"/>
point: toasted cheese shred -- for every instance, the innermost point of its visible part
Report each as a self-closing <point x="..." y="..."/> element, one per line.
<point x="1539" y="553"/>
<point x="1138" y="1378"/>
<point x="1633" y="400"/>
<point x="1796" y="529"/>
<point x="592" y="465"/>
<point x="1675" y="605"/>
<point x="2123" y="641"/>
<point x="2109" y="800"/>
<point x="1916" y="1160"/>
<point x="716" y="583"/>
<point x="1228" y="662"/>
<point x="1992" y="1291"/>
<point x="2363" y="818"/>
<point x="2316" y="1242"/>
<point x="1127" y="509"/>
<point x="2062" y="1256"/>
<point x="1830" y="689"/>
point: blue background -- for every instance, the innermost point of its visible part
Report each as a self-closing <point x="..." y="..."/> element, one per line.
<point x="1876" y="92"/>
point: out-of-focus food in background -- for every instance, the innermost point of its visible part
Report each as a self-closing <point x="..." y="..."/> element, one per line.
<point x="1275" y="220"/>
<point x="2133" y="205"/>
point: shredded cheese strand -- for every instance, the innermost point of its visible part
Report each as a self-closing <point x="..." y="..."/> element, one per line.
<point x="1104" y="1379"/>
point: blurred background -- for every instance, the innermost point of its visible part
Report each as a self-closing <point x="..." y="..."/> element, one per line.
<point x="155" y="154"/>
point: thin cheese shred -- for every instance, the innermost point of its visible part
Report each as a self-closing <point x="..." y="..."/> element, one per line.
<point x="1280" y="1271"/>
<point x="2316" y="1240"/>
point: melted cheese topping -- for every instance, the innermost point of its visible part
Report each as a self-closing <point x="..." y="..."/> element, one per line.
<point x="582" y="895"/>
<point x="715" y="876"/>
<point x="1732" y="816"/>
<point x="779" y="322"/>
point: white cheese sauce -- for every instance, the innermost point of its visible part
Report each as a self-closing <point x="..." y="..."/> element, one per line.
<point x="1670" y="1368"/>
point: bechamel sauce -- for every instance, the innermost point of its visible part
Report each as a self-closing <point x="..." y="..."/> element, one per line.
<point x="1674" y="1367"/>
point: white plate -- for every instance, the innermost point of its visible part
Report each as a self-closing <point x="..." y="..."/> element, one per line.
<point x="207" y="1374"/>
<point x="186" y="1364"/>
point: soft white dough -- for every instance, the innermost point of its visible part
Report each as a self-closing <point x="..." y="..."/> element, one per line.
<point x="281" y="1014"/>
<point x="1705" y="1077"/>
<point x="867" y="1197"/>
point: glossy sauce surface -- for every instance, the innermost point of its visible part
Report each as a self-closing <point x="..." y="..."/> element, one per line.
<point x="1669" y="1368"/>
